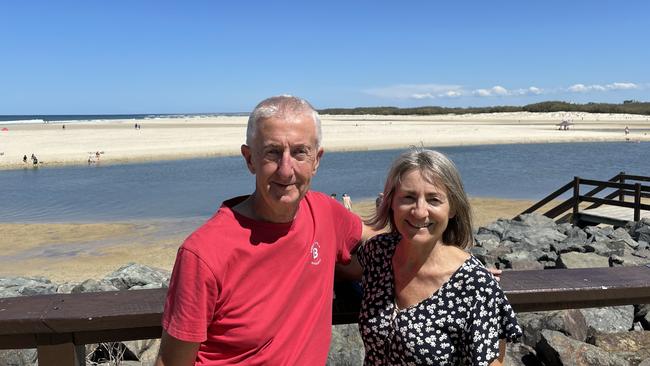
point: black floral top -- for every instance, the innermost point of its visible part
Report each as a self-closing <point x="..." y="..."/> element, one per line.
<point x="460" y="324"/>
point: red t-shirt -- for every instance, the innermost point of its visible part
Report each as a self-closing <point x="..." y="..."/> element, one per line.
<point x="260" y="293"/>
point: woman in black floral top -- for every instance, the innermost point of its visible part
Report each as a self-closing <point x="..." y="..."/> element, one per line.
<point x="426" y="301"/>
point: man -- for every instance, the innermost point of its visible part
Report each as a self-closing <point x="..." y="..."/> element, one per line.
<point x="253" y="285"/>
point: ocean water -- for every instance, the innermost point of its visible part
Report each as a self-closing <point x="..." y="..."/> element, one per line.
<point x="194" y="189"/>
<point x="71" y="118"/>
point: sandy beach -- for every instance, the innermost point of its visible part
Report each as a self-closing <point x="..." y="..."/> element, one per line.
<point x="117" y="141"/>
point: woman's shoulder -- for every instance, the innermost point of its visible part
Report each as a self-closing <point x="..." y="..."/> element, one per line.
<point x="481" y="278"/>
<point x="379" y="245"/>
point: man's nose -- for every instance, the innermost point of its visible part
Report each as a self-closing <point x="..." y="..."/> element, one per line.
<point x="285" y="165"/>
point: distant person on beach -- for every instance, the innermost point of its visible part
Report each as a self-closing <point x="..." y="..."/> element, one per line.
<point x="333" y="195"/>
<point x="347" y="201"/>
<point x="379" y="199"/>
<point x="627" y="130"/>
<point x="426" y="301"/>
<point x="254" y="284"/>
<point x="24" y="158"/>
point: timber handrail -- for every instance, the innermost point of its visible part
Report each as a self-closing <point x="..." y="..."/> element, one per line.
<point x="59" y="324"/>
<point x="618" y="183"/>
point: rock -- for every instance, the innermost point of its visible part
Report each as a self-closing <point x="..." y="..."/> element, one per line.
<point x="631" y="346"/>
<point x="642" y="315"/>
<point x="520" y="354"/>
<point x="622" y="235"/>
<point x="582" y="260"/>
<point x="146" y="350"/>
<point x="645" y="362"/>
<point x="66" y="287"/>
<point x="570" y="322"/>
<point x="18" y="357"/>
<point x="91" y="285"/>
<point x="609" y="319"/>
<point x="522" y="265"/>
<point x="488" y="241"/>
<point x="134" y="274"/>
<point x="626" y="260"/>
<point x="640" y="230"/>
<point x="596" y="233"/>
<point x="346" y="347"/>
<point x="26" y="286"/>
<point x="557" y="349"/>
<point x="606" y="247"/>
<point x="496" y="228"/>
<point x="574" y="242"/>
<point x="536" y="220"/>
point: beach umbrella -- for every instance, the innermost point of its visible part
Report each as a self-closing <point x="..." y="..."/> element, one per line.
<point x="5" y="129"/>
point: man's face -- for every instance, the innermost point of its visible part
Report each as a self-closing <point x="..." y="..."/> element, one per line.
<point x="283" y="156"/>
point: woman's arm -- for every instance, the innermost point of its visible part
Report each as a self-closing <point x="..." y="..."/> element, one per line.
<point x="174" y="352"/>
<point x="502" y="354"/>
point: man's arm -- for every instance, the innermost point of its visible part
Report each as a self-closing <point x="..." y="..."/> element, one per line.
<point x="353" y="270"/>
<point x="174" y="352"/>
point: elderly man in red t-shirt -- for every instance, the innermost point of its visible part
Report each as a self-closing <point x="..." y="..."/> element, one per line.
<point x="253" y="285"/>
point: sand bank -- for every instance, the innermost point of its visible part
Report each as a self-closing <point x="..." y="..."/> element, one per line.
<point x="76" y="252"/>
<point x="180" y="138"/>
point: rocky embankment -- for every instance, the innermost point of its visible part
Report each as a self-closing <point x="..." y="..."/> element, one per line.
<point x="600" y="336"/>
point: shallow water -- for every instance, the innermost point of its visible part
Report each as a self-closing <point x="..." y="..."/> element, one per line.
<point x="193" y="189"/>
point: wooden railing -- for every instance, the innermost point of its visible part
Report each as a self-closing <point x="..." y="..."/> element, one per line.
<point x="59" y="325"/>
<point x="571" y="207"/>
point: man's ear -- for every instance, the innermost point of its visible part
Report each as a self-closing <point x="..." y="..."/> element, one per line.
<point x="248" y="156"/>
<point x="319" y="155"/>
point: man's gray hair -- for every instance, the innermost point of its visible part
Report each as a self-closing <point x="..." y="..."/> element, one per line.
<point x="436" y="168"/>
<point x="278" y="106"/>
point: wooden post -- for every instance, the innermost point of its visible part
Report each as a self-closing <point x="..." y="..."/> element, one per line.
<point x="67" y="354"/>
<point x="621" y="179"/>
<point x="637" y="202"/>
<point x="576" y="200"/>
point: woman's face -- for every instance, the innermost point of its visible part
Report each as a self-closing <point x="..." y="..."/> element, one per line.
<point x="421" y="209"/>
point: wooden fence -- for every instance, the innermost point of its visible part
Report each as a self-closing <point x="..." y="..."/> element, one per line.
<point x="569" y="209"/>
<point x="59" y="325"/>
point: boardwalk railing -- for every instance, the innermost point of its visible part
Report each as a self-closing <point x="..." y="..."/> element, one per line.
<point x="623" y="185"/>
<point x="59" y="325"/>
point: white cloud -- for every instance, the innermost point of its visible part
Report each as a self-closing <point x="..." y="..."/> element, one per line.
<point x="452" y="94"/>
<point x="622" y="86"/>
<point x="581" y="88"/>
<point x="441" y="91"/>
<point x="578" y="88"/>
<point x="414" y="91"/>
<point x="499" y="90"/>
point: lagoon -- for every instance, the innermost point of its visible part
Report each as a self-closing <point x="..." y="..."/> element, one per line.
<point x="189" y="189"/>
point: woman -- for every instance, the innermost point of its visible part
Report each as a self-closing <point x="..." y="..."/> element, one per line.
<point x="426" y="301"/>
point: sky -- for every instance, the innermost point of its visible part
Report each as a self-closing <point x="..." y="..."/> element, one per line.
<point x="137" y="56"/>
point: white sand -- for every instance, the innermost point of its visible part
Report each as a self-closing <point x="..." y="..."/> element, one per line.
<point x="178" y="138"/>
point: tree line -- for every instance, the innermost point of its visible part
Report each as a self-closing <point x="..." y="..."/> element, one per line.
<point x="628" y="106"/>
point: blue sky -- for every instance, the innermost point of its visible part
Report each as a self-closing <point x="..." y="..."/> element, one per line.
<point x="83" y="57"/>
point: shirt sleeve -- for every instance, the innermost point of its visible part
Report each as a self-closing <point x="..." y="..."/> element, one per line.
<point x="191" y="298"/>
<point x="492" y="319"/>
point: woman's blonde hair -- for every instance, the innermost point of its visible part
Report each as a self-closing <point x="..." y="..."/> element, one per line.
<point x="439" y="171"/>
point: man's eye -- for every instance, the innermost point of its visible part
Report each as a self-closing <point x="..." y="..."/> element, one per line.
<point x="273" y="153"/>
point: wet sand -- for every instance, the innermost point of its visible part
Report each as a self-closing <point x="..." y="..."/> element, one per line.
<point x="75" y="252"/>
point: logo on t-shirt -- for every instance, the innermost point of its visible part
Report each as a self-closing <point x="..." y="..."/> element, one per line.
<point x="315" y="253"/>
